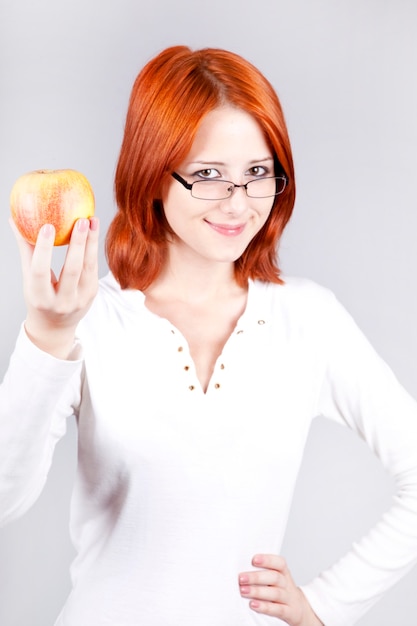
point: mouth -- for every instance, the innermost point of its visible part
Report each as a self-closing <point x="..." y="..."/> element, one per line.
<point x="228" y="230"/>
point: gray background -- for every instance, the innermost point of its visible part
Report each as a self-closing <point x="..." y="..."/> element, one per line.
<point x="346" y="75"/>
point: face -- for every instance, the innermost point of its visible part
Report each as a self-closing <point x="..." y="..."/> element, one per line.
<point x="229" y="145"/>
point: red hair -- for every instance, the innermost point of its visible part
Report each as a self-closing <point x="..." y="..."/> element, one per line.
<point x="169" y="98"/>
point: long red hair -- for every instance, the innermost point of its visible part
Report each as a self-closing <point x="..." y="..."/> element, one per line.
<point x="168" y="101"/>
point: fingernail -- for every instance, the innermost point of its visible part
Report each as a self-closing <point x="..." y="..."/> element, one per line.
<point x="93" y="223"/>
<point x="48" y="231"/>
<point x="257" y="560"/>
<point x="244" y="590"/>
<point x="243" y="579"/>
<point x="254" y="604"/>
<point x="83" y="225"/>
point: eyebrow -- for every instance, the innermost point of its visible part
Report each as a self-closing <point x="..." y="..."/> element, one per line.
<point x="220" y="163"/>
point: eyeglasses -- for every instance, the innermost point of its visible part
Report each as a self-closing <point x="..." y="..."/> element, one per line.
<point x="266" y="187"/>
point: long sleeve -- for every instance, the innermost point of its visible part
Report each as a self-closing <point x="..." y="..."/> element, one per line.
<point x="37" y="394"/>
<point x="360" y="391"/>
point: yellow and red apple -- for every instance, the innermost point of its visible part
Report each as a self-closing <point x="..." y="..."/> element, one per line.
<point x="58" y="197"/>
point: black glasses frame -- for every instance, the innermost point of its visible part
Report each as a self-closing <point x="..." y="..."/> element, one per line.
<point x="189" y="186"/>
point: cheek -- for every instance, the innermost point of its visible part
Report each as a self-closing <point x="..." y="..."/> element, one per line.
<point x="266" y="212"/>
<point x="169" y="203"/>
<point x="178" y="210"/>
<point x="265" y="217"/>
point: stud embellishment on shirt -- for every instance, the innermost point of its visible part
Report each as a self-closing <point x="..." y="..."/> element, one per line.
<point x="217" y="385"/>
<point x="261" y="322"/>
<point x="191" y="387"/>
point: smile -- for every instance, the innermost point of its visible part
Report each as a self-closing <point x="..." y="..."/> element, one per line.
<point x="229" y="230"/>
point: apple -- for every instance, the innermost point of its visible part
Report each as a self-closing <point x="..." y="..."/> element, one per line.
<point x="57" y="197"/>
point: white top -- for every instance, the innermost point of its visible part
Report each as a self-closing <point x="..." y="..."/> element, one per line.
<point x="176" y="490"/>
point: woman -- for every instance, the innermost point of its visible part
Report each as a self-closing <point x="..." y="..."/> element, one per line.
<point x="194" y="374"/>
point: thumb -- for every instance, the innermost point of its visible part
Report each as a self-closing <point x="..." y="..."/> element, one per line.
<point x="25" y="248"/>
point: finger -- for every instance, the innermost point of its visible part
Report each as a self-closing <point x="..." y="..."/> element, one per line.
<point x="270" y="561"/>
<point x="74" y="260"/>
<point x="263" y="577"/>
<point x="25" y="248"/>
<point x="40" y="269"/>
<point x="281" y="611"/>
<point x="89" y="275"/>
<point x="272" y="570"/>
<point x="265" y="592"/>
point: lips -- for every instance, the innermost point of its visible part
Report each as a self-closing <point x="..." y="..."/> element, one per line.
<point x="228" y="230"/>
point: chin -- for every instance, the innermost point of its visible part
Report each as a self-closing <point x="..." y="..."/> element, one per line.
<point x="231" y="258"/>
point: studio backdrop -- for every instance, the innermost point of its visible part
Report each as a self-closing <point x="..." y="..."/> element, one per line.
<point x="346" y="73"/>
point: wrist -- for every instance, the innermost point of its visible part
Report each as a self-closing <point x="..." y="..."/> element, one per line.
<point x="310" y="618"/>
<point x="57" y="342"/>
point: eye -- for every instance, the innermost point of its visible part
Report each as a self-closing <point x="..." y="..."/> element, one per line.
<point x="208" y="173"/>
<point x="259" y="171"/>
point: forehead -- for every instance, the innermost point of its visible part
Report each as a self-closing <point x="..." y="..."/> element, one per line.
<point x="228" y="133"/>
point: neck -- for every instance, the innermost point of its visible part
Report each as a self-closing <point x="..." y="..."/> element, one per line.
<point x="191" y="282"/>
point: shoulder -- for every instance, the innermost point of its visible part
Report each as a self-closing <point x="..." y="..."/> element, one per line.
<point x="295" y="293"/>
<point x="304" y="311"/>
<point x="301" y="305"/>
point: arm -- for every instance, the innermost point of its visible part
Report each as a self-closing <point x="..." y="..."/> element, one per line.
<point x="37" y="395"/>
<point x="42" y="385"/>
<point x="360" y="391"/>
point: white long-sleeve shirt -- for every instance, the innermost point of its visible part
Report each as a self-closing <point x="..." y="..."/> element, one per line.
<point x="177" y="489"/>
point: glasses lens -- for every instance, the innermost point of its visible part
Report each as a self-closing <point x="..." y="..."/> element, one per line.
<point x="222" y="189"/>
<point x="266" y="187"/>
<point x="211" y="189"/>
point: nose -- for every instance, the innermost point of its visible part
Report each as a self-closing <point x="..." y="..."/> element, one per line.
<point x="237" y="203"/>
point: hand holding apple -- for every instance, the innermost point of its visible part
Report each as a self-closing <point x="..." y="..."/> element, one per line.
<point x="57" y="197"/>
<point x="56" y="303"/>
<point x="45" y="205"/>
